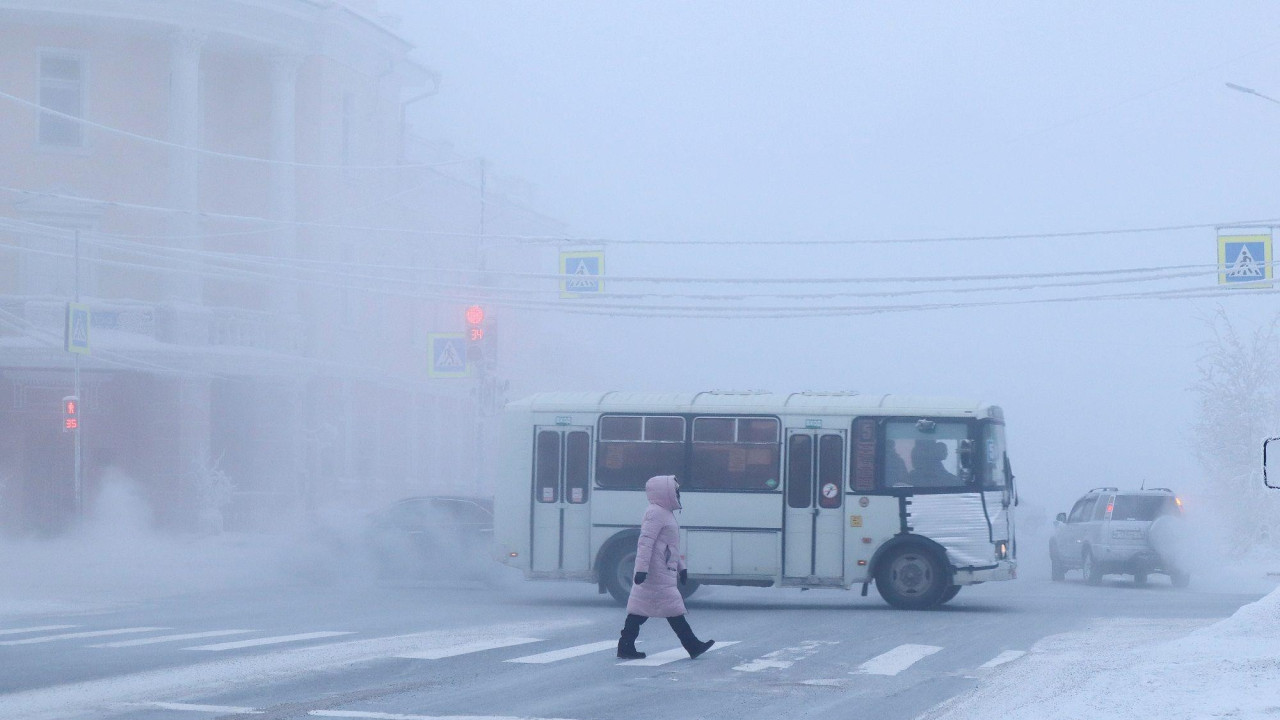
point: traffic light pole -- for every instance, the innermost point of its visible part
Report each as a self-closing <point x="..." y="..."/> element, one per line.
<point x="79" y="491"/>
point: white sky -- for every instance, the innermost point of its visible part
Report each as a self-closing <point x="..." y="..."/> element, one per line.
<point x="752" y="121"/>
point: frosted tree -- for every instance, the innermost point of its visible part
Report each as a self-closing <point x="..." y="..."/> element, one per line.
<point x="1239" y="406"/>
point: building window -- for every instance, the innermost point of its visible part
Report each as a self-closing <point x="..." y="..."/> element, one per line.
<point x="61" y="90"/>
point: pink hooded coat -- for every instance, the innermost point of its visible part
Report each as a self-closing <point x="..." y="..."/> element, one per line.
<point x="658" y="553"/>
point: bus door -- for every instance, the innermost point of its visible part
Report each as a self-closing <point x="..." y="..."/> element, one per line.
<point x="561" y="489"/>
<point x="813" y="528"/>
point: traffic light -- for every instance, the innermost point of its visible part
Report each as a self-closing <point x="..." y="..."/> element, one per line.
<point x="70" y="413"/>
<point x="475" y="333"/>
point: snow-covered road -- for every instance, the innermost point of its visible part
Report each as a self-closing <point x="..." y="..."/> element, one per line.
<point x="534" y="650"/>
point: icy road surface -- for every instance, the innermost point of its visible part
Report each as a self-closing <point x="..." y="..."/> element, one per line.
<point x="534" y="650"/>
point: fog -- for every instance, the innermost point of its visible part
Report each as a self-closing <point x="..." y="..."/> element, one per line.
<point x="835" y="121"/>
<point x="1013" y="203"/>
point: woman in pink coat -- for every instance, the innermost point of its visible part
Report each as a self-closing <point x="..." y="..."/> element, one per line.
<point x="659" y="566"/>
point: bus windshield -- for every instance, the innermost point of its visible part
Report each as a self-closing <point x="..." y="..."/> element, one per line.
<point x="923" y="454"/>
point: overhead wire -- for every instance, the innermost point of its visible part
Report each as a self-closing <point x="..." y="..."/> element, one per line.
<point x="214" y="153"/>
<point x="561" y="240"/>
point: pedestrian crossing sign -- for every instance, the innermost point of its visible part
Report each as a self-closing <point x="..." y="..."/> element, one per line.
<point x="448" y="355"/>
<point x="581" y="273"/>
<point x="77" y="329"/>
<point x="1244" y="260"/>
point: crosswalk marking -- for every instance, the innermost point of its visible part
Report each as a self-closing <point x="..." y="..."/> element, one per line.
<point x="565" y="654"/>
<point x="223" y="709"/>
<point x="239" y="644"/>
<point x="784" y="658"/>
<point x="1002" y="658"/>
<point x="897" y="659"/>
<point x="79" y="635"/>
<point x="39" y="628"/>
<point x="668" y="656"/>
<point x="452" y="649"/>
<point x="170" y="638"/>
<point x="361" y="714"/>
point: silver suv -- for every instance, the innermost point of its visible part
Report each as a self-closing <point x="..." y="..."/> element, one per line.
<point x="1110" y="531"/>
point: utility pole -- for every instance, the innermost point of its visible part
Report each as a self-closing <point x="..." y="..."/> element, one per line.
<point x="479" y="368"/>
<point x="79" y="490"/>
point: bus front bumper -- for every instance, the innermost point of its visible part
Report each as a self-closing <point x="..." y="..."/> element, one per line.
<point x="1002" y="570"/>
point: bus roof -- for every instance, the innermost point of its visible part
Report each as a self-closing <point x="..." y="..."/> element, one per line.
<point x="835" y="403"/>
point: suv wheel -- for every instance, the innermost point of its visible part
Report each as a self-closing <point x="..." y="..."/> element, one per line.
<point x="1092" y="570"/>
<point x="1139" y="579"/>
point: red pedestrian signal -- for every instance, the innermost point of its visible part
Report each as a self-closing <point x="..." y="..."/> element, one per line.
<point x="70" y="413"/>
<point x="474" y="315"/>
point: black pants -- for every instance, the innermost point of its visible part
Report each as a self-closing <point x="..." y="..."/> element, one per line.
<point x="631" y="630"/>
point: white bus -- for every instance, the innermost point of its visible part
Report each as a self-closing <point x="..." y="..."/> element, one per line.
<point x="810" y="490"/>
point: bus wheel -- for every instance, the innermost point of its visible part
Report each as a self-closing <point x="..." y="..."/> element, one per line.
<point x="618" y="571"/>
<point x="949" y="594"/>
<point x="688" y="589"/>
<point x="912" y="578"/>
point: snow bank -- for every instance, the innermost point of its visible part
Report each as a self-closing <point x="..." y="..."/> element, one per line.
<point x="1125" y="669"/>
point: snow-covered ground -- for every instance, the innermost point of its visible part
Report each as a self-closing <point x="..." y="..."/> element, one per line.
<point x="1140" y="668"/>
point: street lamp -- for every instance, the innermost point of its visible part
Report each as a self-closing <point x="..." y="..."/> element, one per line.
<point x="1251" y="91"/>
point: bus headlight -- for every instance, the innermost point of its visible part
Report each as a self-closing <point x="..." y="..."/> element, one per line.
<point x="1002" y="549"/>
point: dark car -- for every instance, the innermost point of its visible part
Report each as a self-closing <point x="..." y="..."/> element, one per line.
<point x="417" y="537"/>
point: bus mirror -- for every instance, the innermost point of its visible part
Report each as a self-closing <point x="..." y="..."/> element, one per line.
<point x="1062" y="517"/>
<point x="1271" y="463"/>
<point x="966" y="454"/>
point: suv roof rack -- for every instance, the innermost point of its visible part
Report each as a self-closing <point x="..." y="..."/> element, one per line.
<point x="1161" y="490"/>
<point x="1104" y="488"/>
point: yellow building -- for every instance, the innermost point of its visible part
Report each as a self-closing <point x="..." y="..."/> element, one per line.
<point x="249" y="218"/>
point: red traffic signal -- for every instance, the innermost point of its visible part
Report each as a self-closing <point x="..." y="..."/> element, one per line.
<point x="474" y="315"/>
<point x="70" y="413"/>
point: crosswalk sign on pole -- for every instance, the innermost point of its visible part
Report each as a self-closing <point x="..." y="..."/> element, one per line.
<point x="448" y="355"/>
<point x="581" y="274"/>
<point x="77" y="328"/>
<point x="1244" y="261"/>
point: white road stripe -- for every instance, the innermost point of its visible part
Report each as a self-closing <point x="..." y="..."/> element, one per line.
<point x="665" y="657"/>
<point x="398" y="716"/>
<point x="451" y="649"/>
<point x="79" y="635"/>
<point x="565" y="654"/>
<point x="784" y="658"/>
<point x="41" y="628"/>
<point x="170" y="638"/>
<point x="224" y="709"/>
<point x="897" y="659"/>
<point x="216" y="647"/>
<point x="1002" y="658"/>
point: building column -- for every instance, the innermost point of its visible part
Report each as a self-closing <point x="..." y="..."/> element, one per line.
<point x="284" y="180"/>
<point x="184" y="181"/>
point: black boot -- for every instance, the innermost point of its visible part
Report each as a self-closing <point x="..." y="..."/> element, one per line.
<point x="627" y="643"/>
<point x="691" y="643"/>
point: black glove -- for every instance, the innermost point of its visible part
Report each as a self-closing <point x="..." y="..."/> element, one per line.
<point x="640" y="576"/>
<point x="684" y="576"/>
